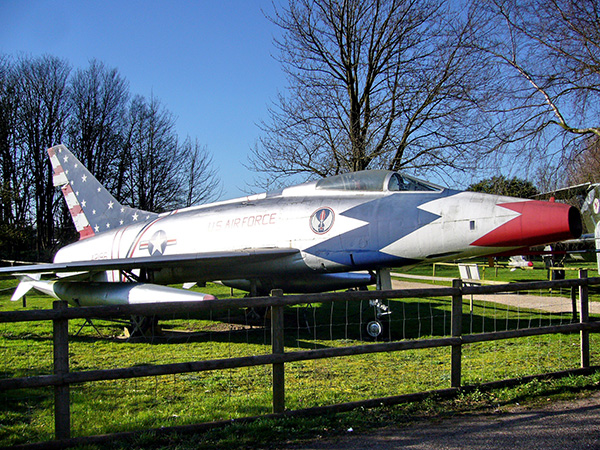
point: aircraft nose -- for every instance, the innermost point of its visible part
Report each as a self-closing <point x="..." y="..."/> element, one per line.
<point x="537" y="223"/>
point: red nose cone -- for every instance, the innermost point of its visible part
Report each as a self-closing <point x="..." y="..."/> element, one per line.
<point x="538" y="223"/>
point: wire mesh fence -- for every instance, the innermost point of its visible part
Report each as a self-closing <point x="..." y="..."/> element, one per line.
<point x="196" y="396"/>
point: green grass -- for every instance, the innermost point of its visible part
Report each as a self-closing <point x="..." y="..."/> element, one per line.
<point x="501" y="273"/>
<point x="135" y="404"/>
<point x="277" y="433"/>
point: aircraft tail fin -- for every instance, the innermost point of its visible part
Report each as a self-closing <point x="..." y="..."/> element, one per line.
<point x="93" y="209"/>
<point x="590" y="211"/>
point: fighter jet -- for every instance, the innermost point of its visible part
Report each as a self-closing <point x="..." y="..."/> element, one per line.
<point x="334" y="233"/>
<point x="587" y="245"/>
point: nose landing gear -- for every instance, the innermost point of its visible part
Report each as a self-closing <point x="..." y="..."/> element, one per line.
<point x="376" y="327"/>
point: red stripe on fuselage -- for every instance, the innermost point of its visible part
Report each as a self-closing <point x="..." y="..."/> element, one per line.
<point x="538" y="223"/>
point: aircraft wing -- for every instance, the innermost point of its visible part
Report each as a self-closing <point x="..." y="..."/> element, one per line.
<point x="198" y="260"/>
<point x="566" y="193"/>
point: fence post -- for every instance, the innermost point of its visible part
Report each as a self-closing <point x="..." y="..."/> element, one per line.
<point x="584" y="316"/>
<point x="456" y="331"/>
<point x="277" y="344"/>
<point x="62" y="401"/>
<point x="574" y="302"/>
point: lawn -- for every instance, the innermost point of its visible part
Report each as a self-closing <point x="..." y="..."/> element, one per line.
<point x="135" y="404"/>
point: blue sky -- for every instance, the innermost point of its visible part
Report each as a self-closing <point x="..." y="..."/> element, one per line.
<point x="208" y="61"/>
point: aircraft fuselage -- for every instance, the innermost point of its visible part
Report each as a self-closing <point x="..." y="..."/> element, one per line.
<point x="360" y="222"/>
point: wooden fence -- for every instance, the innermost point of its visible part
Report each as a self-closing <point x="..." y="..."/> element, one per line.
<point x="63" y="378"/>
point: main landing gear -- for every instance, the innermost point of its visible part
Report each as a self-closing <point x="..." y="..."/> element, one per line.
<point x="142" y="326"/>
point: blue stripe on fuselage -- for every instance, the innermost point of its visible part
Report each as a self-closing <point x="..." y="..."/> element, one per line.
<point x="389" y="219"/>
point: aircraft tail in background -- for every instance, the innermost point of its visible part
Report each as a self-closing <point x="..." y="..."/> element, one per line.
<point x="590" y="212"/>
<point x="93" y="209"/>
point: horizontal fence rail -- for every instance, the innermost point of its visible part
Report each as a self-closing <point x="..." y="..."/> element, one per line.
<point x="171" y="309"/>
<point x="63" y="378"/>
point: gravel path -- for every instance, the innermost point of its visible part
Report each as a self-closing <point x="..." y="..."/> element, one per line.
<point x="564" y="425"/>
<point x="554" y="304"/>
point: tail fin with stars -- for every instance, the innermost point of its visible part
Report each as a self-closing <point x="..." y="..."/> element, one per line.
<point x="93" y="209"/>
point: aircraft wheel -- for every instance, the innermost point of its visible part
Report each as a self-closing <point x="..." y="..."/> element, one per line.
<point x="374" y="328"/>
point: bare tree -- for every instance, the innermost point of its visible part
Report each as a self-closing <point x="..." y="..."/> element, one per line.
<point x="149" y="179"/>
<point x="138" y="154"/>
<point x="156" y="172"/>
<point x="43" y="111"/>
<point x="200" y="183"/>
<point x="131" y="147"/>
<point x="376" y="84"/>
<point x="8" y="135"/>
<point x="586" y="167"/>
<point x="551" y="50"/>
<point x="99" y="101"/>
<point x="15" y="223"/>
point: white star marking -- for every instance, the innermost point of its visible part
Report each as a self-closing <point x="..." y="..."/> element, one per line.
<point x="108" y="225"/>
<point x="94" y="212"/>
<point x="96" y="228"/>
<point x="66" y="159"/>
<point x="84" y="178"/>
<point x="83" y="203"/>
<point x="99" y="189"/>
<point x="110" y="205"/>
<point x="135" y="216"/>
<point x="157" y="243"/>
<point x="121" y="222"/>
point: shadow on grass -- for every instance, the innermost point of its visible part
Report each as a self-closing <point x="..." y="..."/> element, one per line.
<point x="18" y="411"/>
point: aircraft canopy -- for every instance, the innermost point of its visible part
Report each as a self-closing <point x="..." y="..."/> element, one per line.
<point x="375" y="180"/>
